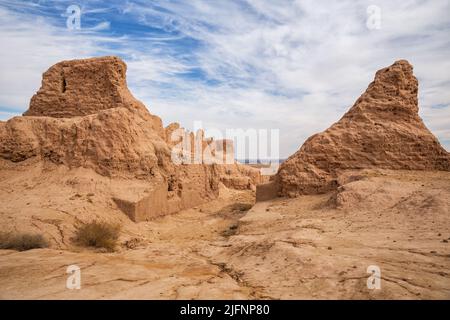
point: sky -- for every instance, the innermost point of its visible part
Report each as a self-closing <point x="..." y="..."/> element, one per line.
<point x="292" y="65"/>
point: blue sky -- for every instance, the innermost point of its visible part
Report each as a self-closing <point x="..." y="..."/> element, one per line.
<point x="296" y="65"/>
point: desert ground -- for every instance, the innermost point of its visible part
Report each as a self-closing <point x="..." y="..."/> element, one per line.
<point x="310" y="247"/>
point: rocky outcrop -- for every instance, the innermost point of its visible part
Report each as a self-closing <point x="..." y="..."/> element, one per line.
<point x="239" y="176"/>
<point x="84" y="116"/>
<point x="195" y="148"/>
<point x="93" y="122"/>
<point x="381" y="130"/>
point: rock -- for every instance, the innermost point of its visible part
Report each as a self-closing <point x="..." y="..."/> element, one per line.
<point x="294" y="234"/>
<point x="84" y="116"/>
<point x="194" y="148"/>
<point x="238" y="176"/>
<point x="381" y="130"/>
<point x="82" y="87"/>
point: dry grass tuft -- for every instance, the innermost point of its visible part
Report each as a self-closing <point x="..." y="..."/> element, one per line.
<point x="22" y="241"/>
<point x="98" y="235"/>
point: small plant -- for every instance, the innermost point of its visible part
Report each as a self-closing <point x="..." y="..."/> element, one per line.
<point x="22" y="241"/>
<point x="98" y="235"/>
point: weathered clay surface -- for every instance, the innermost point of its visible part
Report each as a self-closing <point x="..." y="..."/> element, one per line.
<point x="61" y="170"/>
<point x="241" y="177"/>
<point x="196" y="148"/>
<point x="381" y="130"/>
<point x="310" y="247"/>
<point x="320" y="246"/>
<point x="84" y="116"/>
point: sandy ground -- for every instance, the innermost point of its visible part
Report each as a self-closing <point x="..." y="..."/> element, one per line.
<point x="311" y="247"/>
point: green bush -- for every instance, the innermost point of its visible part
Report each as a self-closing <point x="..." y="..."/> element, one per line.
<point x="98" y="235"/>
<point x="22" y="241"/>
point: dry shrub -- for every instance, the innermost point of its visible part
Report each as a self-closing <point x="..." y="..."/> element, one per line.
<point x="22" y="241"/>
<point x="98" y="235"/>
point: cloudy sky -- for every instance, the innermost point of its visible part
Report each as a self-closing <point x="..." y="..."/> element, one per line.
<point x="293" y="65"/>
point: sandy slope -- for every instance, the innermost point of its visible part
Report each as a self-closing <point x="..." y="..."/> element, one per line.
<point x="305" y="248"/>
<point x="167" y="266"/>
<point x="310" y="247"/>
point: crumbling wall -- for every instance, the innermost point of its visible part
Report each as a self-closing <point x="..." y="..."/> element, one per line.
<point x="382" y="130"/>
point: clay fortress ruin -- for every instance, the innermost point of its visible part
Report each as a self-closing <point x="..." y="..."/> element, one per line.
<point x="84" y="116"/>
<point x="373" y="189"/>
